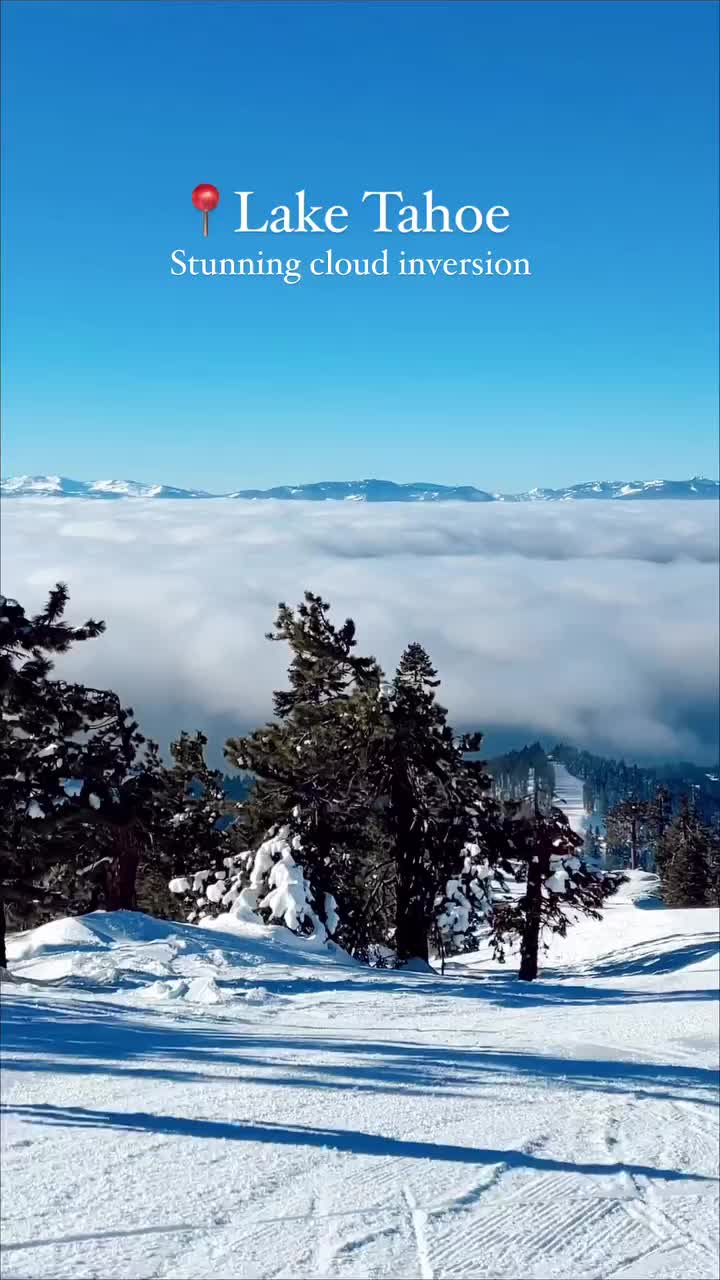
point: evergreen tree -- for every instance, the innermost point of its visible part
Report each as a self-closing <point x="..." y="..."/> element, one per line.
<point x="435" y="805"/>
<point x="267" y="885"/>
<point x="631" y="826"/>
<point x="193" y="820"/>
<point x="714" y="867"/>
<point x="464" y="907"/>
<point x="594" y="847"/>
<point x="191" y="823"/>
<point x="687" y="860"/>
<point x="375" y="797"/>
<point x="121" y="776"/>
<point x="73" y="762"/>
<point x="512" y="773"/>
<point x="662" y="810"/>
<point x="38" y="721"/>
<point x="558" y="886"/>
<point x="311" y="768"/>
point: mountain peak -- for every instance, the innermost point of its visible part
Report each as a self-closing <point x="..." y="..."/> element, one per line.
<point x="370" y="490"/>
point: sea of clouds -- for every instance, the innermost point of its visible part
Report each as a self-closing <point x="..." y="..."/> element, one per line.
<point x="595" y="623"/>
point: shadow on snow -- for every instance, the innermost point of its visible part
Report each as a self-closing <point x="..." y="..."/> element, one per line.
<point x="345" y="1140"/>
<point x="58" y="1038"/>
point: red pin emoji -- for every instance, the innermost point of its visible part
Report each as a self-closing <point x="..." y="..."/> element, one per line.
<point x="205" y="197"/>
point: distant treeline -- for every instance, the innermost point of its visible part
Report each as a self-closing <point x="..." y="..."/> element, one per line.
<point x="520" y="773"/>
<point x="237" y="786"/>
<point x="607" y="782"/>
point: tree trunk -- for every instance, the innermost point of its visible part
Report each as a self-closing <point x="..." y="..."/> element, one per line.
<point x="530" y="941"/>
<point x="412" y="922"/>
<point x="122" y="871"/>
<point x="411" y="940"/>
<point x="411" y="925"/>
<point x="633" y="844"/>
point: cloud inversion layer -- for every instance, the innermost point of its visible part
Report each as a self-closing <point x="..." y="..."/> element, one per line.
<point x="592" y="623"/>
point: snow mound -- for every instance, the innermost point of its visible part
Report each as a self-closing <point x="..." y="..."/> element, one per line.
<point x="175" y="990"/>
<point x="416" y="966"/>
<point x="641" y="888"/>
<point x="134" y="958"/>
<point x="257" y="995"/>
<point x="205" y="990"/>
<point x="63" y="933"/>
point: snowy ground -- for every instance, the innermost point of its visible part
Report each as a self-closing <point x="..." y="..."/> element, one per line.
<point x="187" y="1103"/>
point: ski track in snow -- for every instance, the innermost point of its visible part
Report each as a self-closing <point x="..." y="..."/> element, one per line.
<point x="419" y="1222"/>
<point x="319" y="1119"/>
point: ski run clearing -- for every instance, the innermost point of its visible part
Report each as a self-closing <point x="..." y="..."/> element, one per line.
<point x="570" y="799"/>
<point x="190" y="1102"/>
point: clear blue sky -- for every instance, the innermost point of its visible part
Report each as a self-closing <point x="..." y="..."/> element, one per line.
<point x="593" y="123"/>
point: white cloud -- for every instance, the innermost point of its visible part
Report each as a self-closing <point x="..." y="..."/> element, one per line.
<point x="595" y="623"/>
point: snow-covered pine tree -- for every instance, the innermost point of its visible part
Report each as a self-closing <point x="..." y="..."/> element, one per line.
<point x="435" y="806"/>
<point x="594" y="847"/>
<point x="687" y="858"/>
<point x="266" y="886"/>
<point x="464" y="906"/>
<point x="38" y="718"/>
<point x="311" y="767"/>
<point x="369" y="819"/>
<point x="191" y="822"/>
<point x="122" y="774"/>
<point x="559" y="886"/>
<point x="75" y="768"/>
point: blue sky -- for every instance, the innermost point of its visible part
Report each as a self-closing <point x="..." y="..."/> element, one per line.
<point x="593" y="123"/>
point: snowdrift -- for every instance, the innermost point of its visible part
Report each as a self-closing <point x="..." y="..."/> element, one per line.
<point x="134" y="955"/>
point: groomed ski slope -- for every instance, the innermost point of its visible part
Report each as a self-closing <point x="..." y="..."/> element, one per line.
<point x="569" y="797"/>
<point x="182" y="1102"/>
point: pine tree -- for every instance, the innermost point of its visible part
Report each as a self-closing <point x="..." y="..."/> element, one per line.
<point x="39" y="721"/>
<point x="122" y="776"/>
<point x="191" y="823"/>
<point x="631" y="826"/>
<point x="435" y="804"/>
<point x="193" y="820"/>
<point x="714" y="867"/>
<point x="594" y="847"/>
<point x="377" y="800"/>
<point x="687" y="861"/>
<point x="662" y="810"/>
<point x="464" y="907"/>
<point x="311" y="767"/>
<point x="558" y="886"/>
<point x="267" y="885"/>
<point x="75" y="769"/>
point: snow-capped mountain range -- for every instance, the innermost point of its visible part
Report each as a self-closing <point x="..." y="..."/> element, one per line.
<point x="361" y="491"/>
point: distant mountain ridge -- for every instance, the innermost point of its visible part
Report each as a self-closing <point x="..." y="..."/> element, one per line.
<point x="698" y="487"/>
